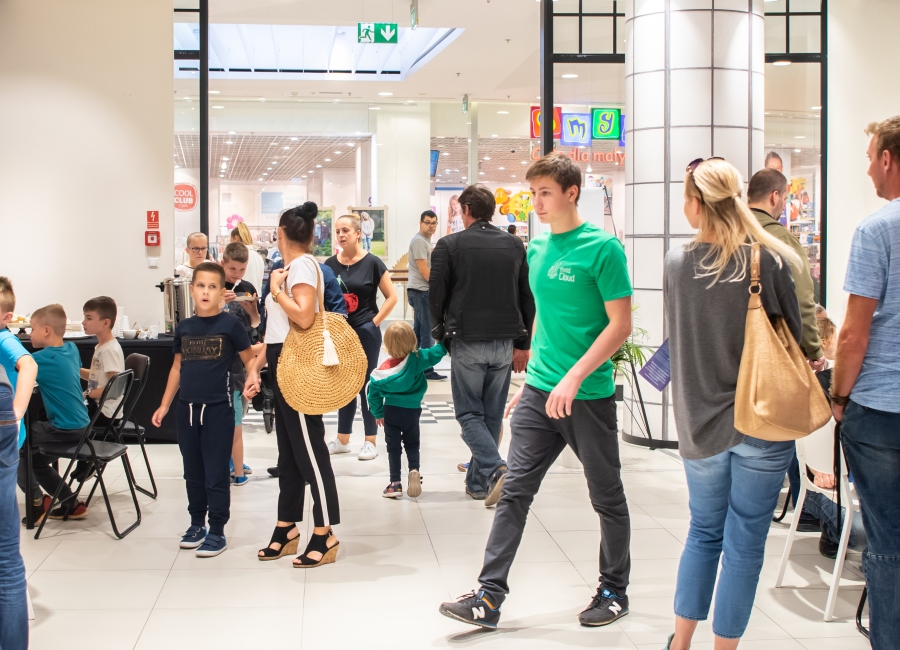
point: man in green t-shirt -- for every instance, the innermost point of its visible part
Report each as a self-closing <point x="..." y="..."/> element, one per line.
<point x="579" y="277"/>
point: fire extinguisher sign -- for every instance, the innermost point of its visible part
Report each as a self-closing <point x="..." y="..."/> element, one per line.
<point x="152" y="219"/>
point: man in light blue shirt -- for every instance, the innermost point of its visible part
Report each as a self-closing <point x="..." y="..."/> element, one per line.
<point x="865" y="391"/>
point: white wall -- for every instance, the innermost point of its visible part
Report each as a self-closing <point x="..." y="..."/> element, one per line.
<point x="86" y="124"/>
<point x="861" y="89"/>
<point x="339" y="189"/>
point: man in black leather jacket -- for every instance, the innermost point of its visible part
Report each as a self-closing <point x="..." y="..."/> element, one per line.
<point x="483" y="309"/>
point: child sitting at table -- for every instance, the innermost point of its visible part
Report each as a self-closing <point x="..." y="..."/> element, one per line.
<point x="58" y="375"/>
<point x="107" y="362"/>
<point x="205" y="348"/>
<point x="395" y="400"/>
<point x="20" y="369"/>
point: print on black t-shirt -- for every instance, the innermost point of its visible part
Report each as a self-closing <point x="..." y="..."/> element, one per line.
<point x="202" y="348"/>
<point x="359" y="282"/>
<point x="209" y="346"/>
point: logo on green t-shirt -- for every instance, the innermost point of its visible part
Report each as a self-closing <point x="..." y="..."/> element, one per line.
<point x="561" y="273"/>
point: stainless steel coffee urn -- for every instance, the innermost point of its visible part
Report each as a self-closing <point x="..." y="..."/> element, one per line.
<point x="177" y="301"/>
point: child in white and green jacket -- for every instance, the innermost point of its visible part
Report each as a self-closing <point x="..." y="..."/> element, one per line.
<point x="395" y="396"/>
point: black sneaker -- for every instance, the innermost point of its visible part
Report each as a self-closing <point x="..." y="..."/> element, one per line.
<point x="273" y="471"/>
<point x="809" y="525"/>
<point x="495" y="487"/>
<point x="472" y="609"/>
<point x="84" y="470"/>
<point x="828" y="548"/>
<point x="433" y="376"/>
<point x="605" y="608"/>
<point x="478" y="496"/>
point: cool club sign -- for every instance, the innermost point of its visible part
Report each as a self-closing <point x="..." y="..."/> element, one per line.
<point x="377" y="33"/>
<point x="185" y="197"/>
<point x="580" y="129"/>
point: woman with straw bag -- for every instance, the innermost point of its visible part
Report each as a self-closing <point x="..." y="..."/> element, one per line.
<point x="294" y="322"/>
<point x="733" y="479"/>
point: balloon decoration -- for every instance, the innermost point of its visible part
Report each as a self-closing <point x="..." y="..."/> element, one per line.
<point x="233" y="221"/>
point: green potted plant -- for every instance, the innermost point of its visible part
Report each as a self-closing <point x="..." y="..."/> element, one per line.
<point x="633" y="353"/>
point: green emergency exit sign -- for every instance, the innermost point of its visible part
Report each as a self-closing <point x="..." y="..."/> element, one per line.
<point x="377" y="33"/>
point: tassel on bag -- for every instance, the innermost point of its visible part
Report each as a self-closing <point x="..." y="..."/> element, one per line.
<point x="329" y="354"/>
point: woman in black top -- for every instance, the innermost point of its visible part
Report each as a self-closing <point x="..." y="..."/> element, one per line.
<point x="360" y="275"/>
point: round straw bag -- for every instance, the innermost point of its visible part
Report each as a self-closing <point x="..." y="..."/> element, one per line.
<point x="323" y="367"/>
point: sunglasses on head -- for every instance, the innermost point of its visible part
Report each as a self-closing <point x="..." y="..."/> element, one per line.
<point x="696" y="163"/>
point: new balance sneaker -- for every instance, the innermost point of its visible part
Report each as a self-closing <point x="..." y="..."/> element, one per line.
<point x="605" y="608"/>
<point x="473" y="609"/>
<point x="335" y="447"/>
<point x="240" y="480"/>
<point x="414" y="484"/>
<point x="212" y="546"/>
<point x="76" y="511"/>
<point x="368" y="451"/>
<point x="193" y="537"/>
<point x="495" y="487"/>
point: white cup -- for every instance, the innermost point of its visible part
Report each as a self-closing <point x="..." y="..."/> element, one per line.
<point x="154" y="332"/>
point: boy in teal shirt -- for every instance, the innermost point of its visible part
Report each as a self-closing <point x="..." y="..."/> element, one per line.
<point x="59" y="366"/>
<point x="579" y="277"/>
<point x="395" y="397"/>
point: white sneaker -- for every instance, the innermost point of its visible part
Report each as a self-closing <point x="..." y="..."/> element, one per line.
<point x="368" y="451"/>
<point x="335" y="447"/>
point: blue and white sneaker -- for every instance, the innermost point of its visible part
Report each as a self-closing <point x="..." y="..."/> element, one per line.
<point x="193" y="537"/>
<point x="247" y="469"/>
<point x="231" y="466"/>
<point x="240" y="480"/>
<point x="473" y="609"/>
<point x="212" y="546"/>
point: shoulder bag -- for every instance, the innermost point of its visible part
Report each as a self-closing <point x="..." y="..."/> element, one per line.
<point x="778" y="397"/>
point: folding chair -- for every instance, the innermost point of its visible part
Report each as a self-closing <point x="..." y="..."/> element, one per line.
<point x="816" y="451"/>
<point x="98" y="452"/>
<point x="139" y="364"/>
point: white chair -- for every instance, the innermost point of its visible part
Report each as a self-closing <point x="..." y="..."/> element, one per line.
<point x="816" y="452"/>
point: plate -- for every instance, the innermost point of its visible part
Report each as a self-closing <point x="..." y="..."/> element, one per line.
<point x="19" y="325"/>
<point x="244" y="298"/>
<point x="76" y="335"/>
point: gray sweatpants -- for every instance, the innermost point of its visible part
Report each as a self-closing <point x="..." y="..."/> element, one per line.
<point x="535" y="443"/>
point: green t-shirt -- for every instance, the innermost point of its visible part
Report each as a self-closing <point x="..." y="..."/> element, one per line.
<point x="572" y="275"/>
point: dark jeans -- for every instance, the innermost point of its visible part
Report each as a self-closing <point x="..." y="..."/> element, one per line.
<point x="205" y="437"/>
<point x="370" y="336"/>
<point x="872" y="447"/>
<point x="418" y="300"/>
<point x="536" y="441"/>
<point x="401" y="425"/>
<point x="13" y="611"/>
<point x="479" y="379"/>
<point x="302" y="458"/>
<point x="824" y="509"/>
<point x="43" y="473"/>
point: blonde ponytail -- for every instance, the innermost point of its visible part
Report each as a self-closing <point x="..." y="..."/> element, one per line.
<point x="727" y="221"/>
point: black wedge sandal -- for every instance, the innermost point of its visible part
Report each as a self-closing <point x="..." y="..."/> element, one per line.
<point x="280" y="536"/>
<point x="317" y="544"/>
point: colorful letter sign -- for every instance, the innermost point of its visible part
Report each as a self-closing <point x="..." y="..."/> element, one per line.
<point x="607" y="123"/>
<point x="576" y="129"/>
<point x="377" y="33"/>
<point x="536" y="122"/>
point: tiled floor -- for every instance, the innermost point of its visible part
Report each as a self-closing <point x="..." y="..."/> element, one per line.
<point x="398" y="561"/>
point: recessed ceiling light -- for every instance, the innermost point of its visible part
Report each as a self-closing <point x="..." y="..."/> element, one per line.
<point x="274" y="163"/>
<point x="799" y="137"/>
<point x="177" y="166"/>
<point x="287" y="148"/>
<point x="224" y="158"/>
<point x="350" y="144"/>
<point x="781" y="63"/>
<point x="487" y="157"/>
<point x="570" y="76"/>
<point x="797" y="150"/>
<point x="502" y="168"/>
<point x="318" y="166"/>
<point x="524" y="162"/>
<point x="513" y="175"/>
<point x="816" y="108"/>
<point x="338" y="153"/>
<point x="228" y="142"/>
<point x="269" y="168"/>
<point x="495" y="135"/>
<point x="187" y="99"/>
<point x="265" y="173"/>
<point x="262" y="99"/>
<point x="221" y="175"/>
<point x="328" y="160"/>
<point x="385" y="94"/>
<point x="213" y="92"/>
<point x="260" y="178"/>
<point x="445" y="153"/>
<point x="502" y="112"/>
<point x="463" y="177"/>
<point x="374" y="108"/>
<point x="295" y="139"/>
<point x="218" y="107"/>
<point x="481" y="173"/>
<point x="311" y="172"/>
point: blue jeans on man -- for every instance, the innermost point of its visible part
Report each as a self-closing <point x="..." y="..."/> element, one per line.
<point x="732" y="496"/>
<point x="871" y="441"/>
<point x="480" y="375"/>
<point x="13" y="608"/>
<point x="418" y="300"/>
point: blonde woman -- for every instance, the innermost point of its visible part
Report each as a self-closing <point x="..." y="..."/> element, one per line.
<point x="367" y="228"/>
<point x="454" y="215"/>
<point x="255" y="266"/>
<point x="733" y="480"/>
<point x="361" y="276"/>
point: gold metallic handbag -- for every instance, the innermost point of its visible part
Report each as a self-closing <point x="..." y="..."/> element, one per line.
<point x="778" y="397"/>
<point x="323" y="367"/>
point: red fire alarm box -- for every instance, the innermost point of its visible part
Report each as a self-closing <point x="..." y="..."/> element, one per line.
<point x="151" y="238"/>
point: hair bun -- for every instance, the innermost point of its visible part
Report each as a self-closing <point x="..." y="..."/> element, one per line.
<point x="309" y="210"/>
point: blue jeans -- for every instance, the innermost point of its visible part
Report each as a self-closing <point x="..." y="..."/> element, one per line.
<point x="732" y="496"/>
<point x="13" y="610"/>
<point x="367" y="243"/>
<point x="418" y="300"/>
<point x="479" y="379"/>
<point x="872" y="446"/>
<point x="825" y="510"/>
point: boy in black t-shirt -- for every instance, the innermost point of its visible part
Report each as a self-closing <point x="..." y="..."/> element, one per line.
<point x="205" y="349"/>
<point x="240" y="302"/>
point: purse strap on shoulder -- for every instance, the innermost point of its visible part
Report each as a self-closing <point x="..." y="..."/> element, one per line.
<point x="755" y="286"/>
<point x="320" y="287"/>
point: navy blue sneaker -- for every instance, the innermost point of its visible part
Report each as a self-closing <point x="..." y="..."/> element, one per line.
<point x="473" y="609"/>
<point x="605" y="608"/>
<point x="212" y="546"/>
<point x="495" y="487"/>
<point x="193" y="537"/>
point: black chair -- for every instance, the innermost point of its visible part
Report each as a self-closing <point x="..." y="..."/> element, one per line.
<point x="99" y="453"/>
<point x="139" y="364"/>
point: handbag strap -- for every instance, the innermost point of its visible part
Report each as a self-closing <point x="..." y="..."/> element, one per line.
<point x="320" y="288"/>
<point x="754" y="268"/>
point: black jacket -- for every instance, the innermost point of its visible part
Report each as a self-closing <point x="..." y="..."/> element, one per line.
<point x="478" y="288"/>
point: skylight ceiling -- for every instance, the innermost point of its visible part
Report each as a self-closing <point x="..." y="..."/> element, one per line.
<point x="307" y="52"/>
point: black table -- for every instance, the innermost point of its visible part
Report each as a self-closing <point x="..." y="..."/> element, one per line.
<point x="161" y="356"/>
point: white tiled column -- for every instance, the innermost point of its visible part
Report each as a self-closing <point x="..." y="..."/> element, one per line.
<point x="694" y="89"/>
